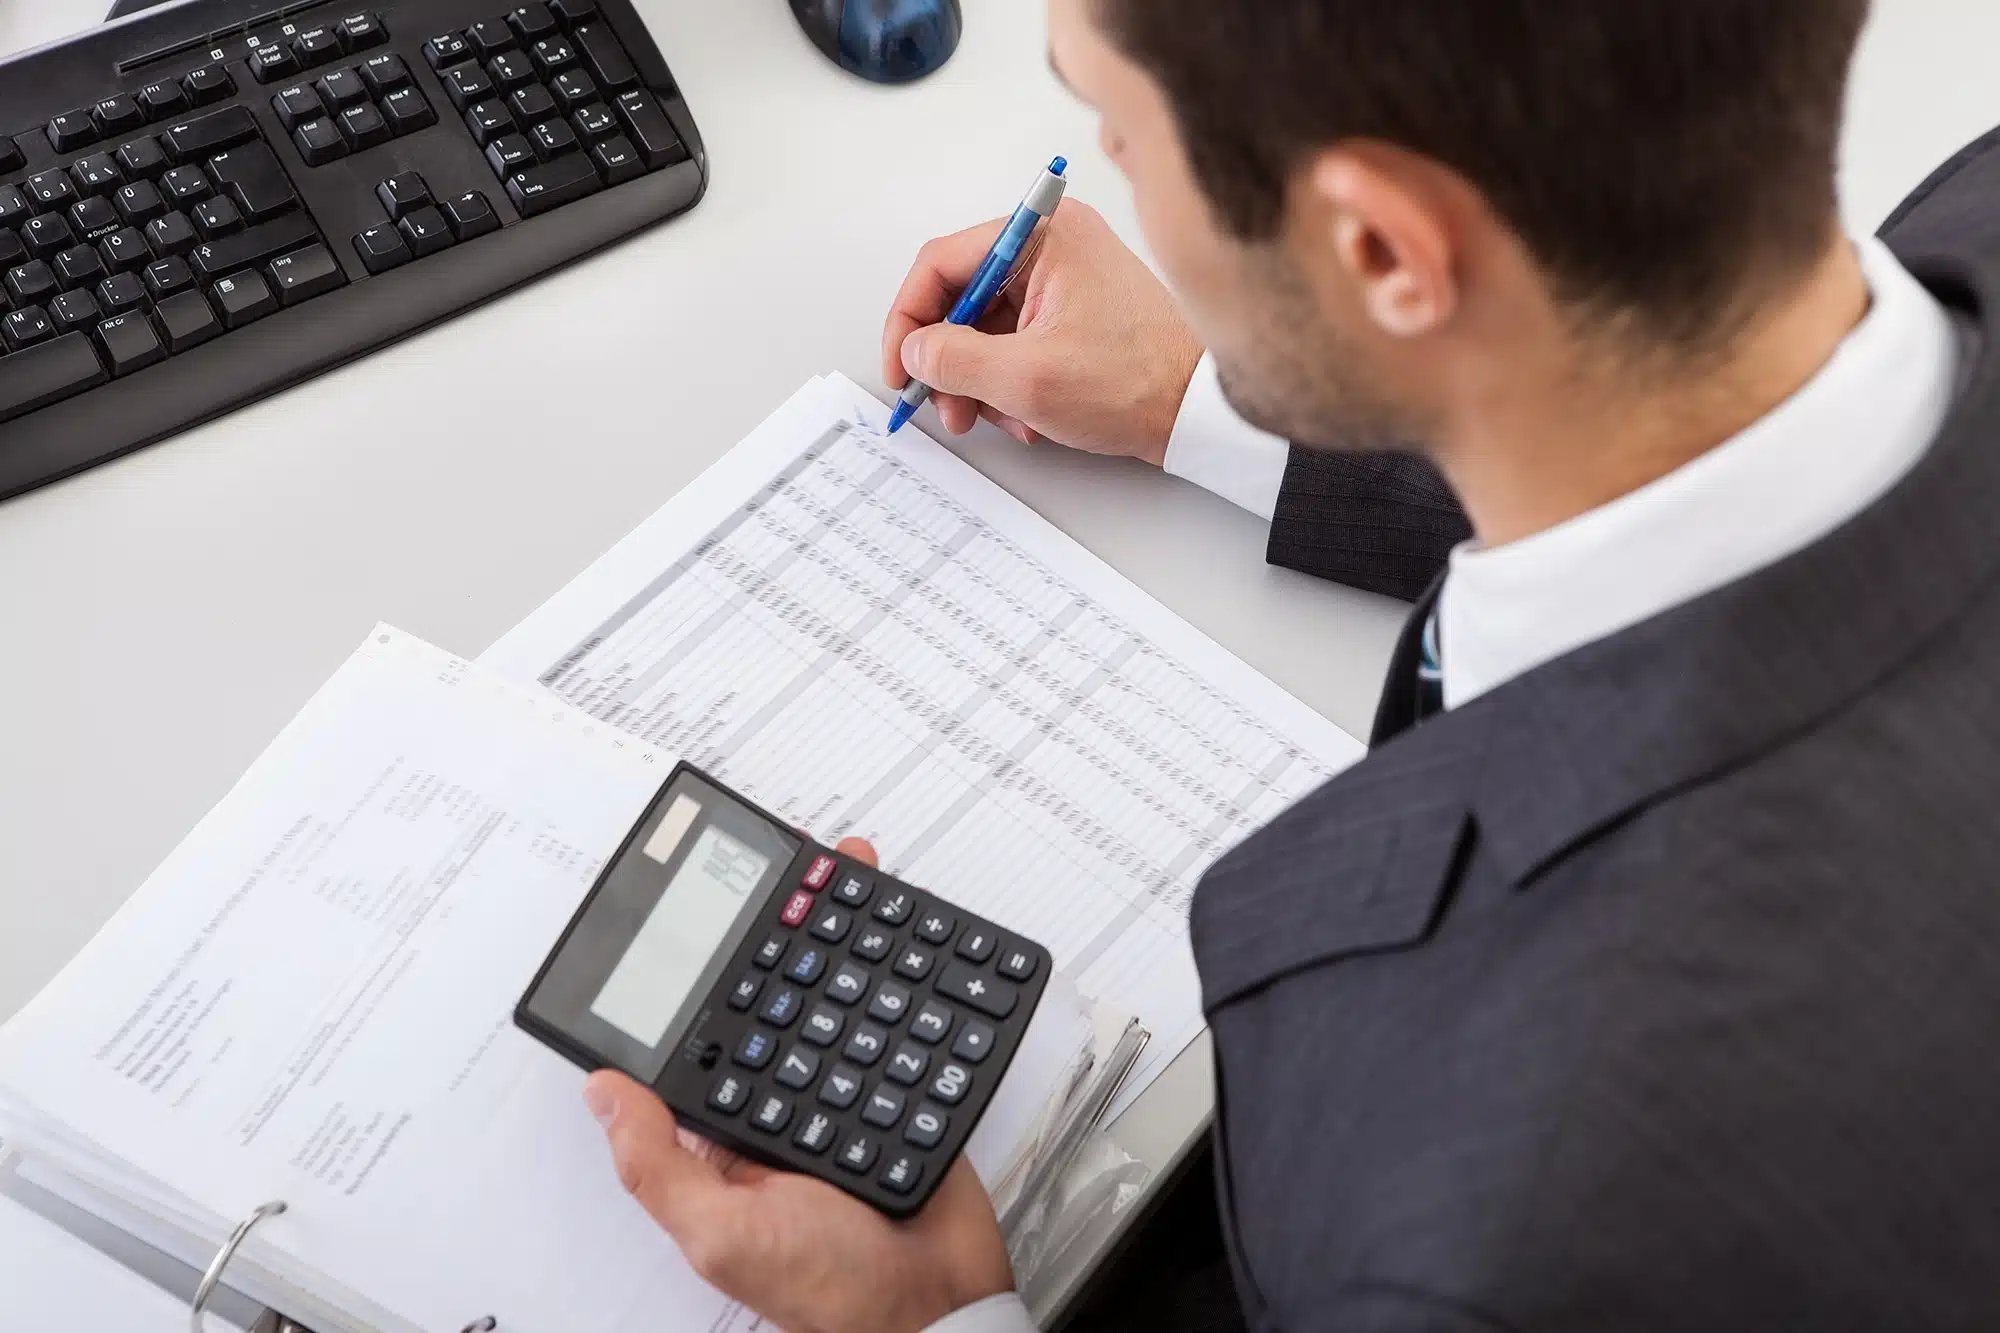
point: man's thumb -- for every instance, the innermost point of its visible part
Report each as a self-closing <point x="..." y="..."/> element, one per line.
<point x="670" y="1182"/>
<point x="963" y="361"/>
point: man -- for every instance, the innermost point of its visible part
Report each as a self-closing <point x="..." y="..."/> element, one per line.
<point x="1643" y="977"/>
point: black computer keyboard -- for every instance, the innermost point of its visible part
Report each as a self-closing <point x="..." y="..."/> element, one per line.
<point x="208" y="202"/>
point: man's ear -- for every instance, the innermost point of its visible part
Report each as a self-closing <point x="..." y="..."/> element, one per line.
<point x="1390" y="237"/>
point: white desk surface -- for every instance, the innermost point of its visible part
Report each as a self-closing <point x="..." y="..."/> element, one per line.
<point x="452" y="483"/>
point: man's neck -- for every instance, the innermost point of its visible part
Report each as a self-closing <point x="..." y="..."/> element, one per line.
<point x="1555" y="441"/>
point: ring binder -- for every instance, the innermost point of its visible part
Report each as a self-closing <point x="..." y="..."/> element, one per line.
<point x="209" y="1279"/>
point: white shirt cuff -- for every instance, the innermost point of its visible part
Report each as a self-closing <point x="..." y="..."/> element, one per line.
<point x="1219" y="451"/>
<point x="1004" y="1313"/>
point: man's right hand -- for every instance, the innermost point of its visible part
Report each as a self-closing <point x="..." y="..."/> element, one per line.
<point x="1086" y="349"/>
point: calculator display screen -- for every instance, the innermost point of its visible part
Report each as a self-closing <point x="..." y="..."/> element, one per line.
<point x="675" y="942"/>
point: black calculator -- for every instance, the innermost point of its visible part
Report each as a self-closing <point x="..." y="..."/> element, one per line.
<point x="806" y="1010"/>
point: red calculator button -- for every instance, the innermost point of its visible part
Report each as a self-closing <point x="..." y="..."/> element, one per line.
<point x="798" y="909"/>
<point x="820" y="875"/>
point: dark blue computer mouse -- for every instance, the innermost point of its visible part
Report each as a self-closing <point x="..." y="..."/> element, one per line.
<point x="889" y="41"/>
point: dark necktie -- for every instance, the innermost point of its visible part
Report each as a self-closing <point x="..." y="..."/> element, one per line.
<point x="1430" y="672"/>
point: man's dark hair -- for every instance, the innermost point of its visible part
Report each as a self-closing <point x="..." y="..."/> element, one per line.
<point x="1660" y="158"/>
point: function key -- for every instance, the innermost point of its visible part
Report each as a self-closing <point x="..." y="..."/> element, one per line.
<point x="319" y="142"/>
<point x="858" y="1153"/>
<point x="807" y="967"/>
<point x="865" y="1047"/>
<point x="384" y="73"/>
<point x="841" y="1089"/>
<point x="184" y="185"/>
<point x="470" y="215"/>
<point x="187" y="321"/>
<point x="895" y="909"/>
<point x="798" y="1069"/>
<point x="908" y="1064"/>
<point x="142" y="158"/>
<point x="617" y="160"/>
<point x="361" y="30"/>
<point x="316" y="46"/>
<point x="914" y="964"/>
<point x="995" y="999"/>
<point x="746" y="993"/>
<point x="975" y="1042"/>
<point x="848" y="985"/>
<point x="594" y="121"/>
<point x="819" y="873"/>
<point x="603" y="57"/>
<point x="161" y="100"/>
<point x="296" y="105"/>
<point x="341" y="88"/>
<point x="729" y="1095"/>
<point x="164" y="277"/>
<point x="532" y="21"/>
<point x="552" y="55"/>
<point x="115" y="115"/>
<point x="511" y="69"/>
<point x="96" y="174"/>
<point x="935" y="927"/>
<point x="446" y="49"/>
<point x="650" y="130"/>
<point x="466" y="84"/>
<point x="71" y="131"/>
<point x="572" y="12"/>
<point x="489" y="37"/>
<point x="873" y="943"/>
<point x="782" y="1009"/>
<point x="90" y="215"/>
<point x="488" y="121"/>
<point x="304" y="274"/>
<point x="381" y="248"/>
<point x="770" y="953"/>
<point x="891" y="1002"/>
<point x="976" y="944"/>
<point x="573" y="90"/>
<point x="362" y="126"/>
<point x="932" y="1023"/>
<point x="210" y="83"/>
<point x="170" y="235"/>
<point x="755" y="1050"/>
<point x="139" y="202"/>
<point x="773" y="1114"/>
<point x="129" y="342"/>
<point x="823" y="1025"/>
<point x="270" y="63"/>
<point x="816" y="1134"/>
<point x="407" y="111"/>
<point x="953" y="1081"/>
<point x="902" y="1173"/>
<point x="50" y="189"/>
<point x="927" y="1126"/>
<point x="883" y="1108"/>
<point x="1017" y="964"/>
<point x="25" y="327"/>
<point x="121" y="292"/>
<point x="831" y="924"/>
<point x="800" y="905"/>
<point x="14" y="205"/>
<point x="243" y="298"/>
<point x="11" y="156"/>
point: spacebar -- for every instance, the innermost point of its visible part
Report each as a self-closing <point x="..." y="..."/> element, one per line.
<point x="47" y="373"/>
<point x="265" y="241"/>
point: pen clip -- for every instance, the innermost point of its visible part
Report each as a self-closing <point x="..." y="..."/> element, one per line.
<point x="1027" y="260"/>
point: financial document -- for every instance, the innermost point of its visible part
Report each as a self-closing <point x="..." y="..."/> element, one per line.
<point x="871" y="639"/>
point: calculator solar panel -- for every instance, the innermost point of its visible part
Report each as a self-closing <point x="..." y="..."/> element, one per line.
<point x="208" y="202"/>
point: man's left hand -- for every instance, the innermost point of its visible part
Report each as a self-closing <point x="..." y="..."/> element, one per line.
<point x="796" y="1250"/>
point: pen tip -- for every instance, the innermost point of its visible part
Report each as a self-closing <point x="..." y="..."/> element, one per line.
<point x="1059" y="166"/>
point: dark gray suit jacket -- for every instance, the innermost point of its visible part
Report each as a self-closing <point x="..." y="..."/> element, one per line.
<point x="1660" y="988"/>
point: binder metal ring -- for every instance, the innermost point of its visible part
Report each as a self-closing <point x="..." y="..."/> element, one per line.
<point x="213" y="1276"/>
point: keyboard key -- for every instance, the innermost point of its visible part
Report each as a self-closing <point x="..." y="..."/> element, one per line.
<point x="488" y="121"/>
<point x="488" y="38"/>
<point x="47" y="373"/>
<point x="25" y="327"/>
<point x="402" y="192"/>
<point x="902" y="1173"/>
<point x="807" y="968"/>
<point x="32" y="282"/>
<point x="895" y="909"/>
<point x="139" y="202"/>
<point x="81" y="265"/>
<point x="511" y="69"/>
<point x="552" y="138"/>
<point x="729" y="1094"/>
<point x="617" y="160"/>
<point x="250" y="249"/>
<point x="935" y="927"/>
<point x="842" y="1088"/>
<point x="650" y="130"/>
<point x="142" y="158"/>
<point x="204" y="136"/>
<point x="927" y="1126"/>
<point x="538" y="189"/>
<point x="363" y="127"/>
<point x="865" y="1047"/>
<point x="953" y="1081"/>
<point x="848" y="984"/>
<point x="424" y="231"/>
<point x="1018" y="964"/>
<point x="755" y="1050"/>
<point x="129" y="343"/>
<point x="573" y="90"/>
<point x="932" y="1023"/>
<point x="210" y="83"/>
<point x="243" y="298"/>
<point x="975" y="1042"/>
<point x="13" y="254"/>
<point x="93" y="215"/>
<point x="319" y="142"/>
<point x="339" y="88"/>
<point x="217" y="217"/>
<point x="162" y="100"/>
<point x="121" y="292"/>
<point x="782" y="1009"/>
<point x="873" y="944"/>
<point x="407" y="112"/>
<point x="913" y="963"/>
<point x="823" y="1025"/>
<point x="798" y="1069"/>
<point x="164" y="277"/>
<point x="858" y="1153"/>
<point x="268" y="64"/>
<point x="908" y="1065"/>
<point x="51" y="189"/>
<point x="361" y="30"/>
<point x="303" y="274"/>
<point x="604" y="58"/>
<point x="116" y="115"/>
<point x="75" y="310"/>
<point x="816" y="1134"/>
<point x="296" y="105"/>
<point x="773" y="1114"/>
<point x="253" y="179"/>
<point x="468" y="84"/>
<point x="532" y="22"/>
<point x="831" y="924"/>
<point x="171" y="235"/>
<point x="799" y="906"/>
<point x="883" y="1108"/>
<point x="96" y="174"/>
<point x="187" y="321"/>
<point x="594" y="121"/>
<point x="14" y="206"/>
<point x="572" y="12"/>
<point x="552" y="56"/>
<point x="316" y="46"/>
<point x="71" y="131"/>
<point x="746" y="993"/>
<point x="470" y="215"/>
<point x="11" y="158"/>
<point x="530" y="103"/>
<point x="976" y="944"/>
<point x="770" y="953"/>
<point x="962" y="982"/>
<point x="891" y="1002"/>
<point x="445" y="50"/>
<point x="384" y="73"/>
<point x="47" y="235"/>
<point x="508" y="154"/>
<point x="184" y="186"/>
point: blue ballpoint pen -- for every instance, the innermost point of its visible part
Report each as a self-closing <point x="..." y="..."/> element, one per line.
<point x="994" y="273"/>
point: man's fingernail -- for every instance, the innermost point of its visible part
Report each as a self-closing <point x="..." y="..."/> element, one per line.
<point x="602" y="1104"/>
<point x="913" y="352"/>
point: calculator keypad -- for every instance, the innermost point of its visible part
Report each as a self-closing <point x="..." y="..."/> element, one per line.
<point x="857" y="1028"/>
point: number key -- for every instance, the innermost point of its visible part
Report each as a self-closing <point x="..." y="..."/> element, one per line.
<point x="951" y="1084"/>
<point x="884" y="1108"/>
<point x="798" y="1069"/>
<point x="932" y="1023"/>
<point x="823" y="1025"/>
<point x="927" y="1126"/>
<point x="841" y="1088"/>
<point x="865" y="1047"/>
<point x="908" y="1064"/>
<point x="595" y="121"/>
<point x="746" y="992"/>
<point x="849" y="984"/>
<point x="889" y="1004"/>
